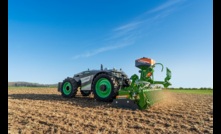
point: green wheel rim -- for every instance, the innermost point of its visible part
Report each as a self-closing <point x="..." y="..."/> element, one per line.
<point x="66" y="88"/>
<point x="100" y="93"/>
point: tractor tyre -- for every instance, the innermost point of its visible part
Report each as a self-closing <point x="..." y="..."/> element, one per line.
<point x="85" y="93"/>
<point x="116" y="87"/>
<point x="103" y="87"/>
<point x="69" y="88"/>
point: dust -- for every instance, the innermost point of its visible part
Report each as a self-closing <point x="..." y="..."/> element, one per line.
<point x="168" y="99"/>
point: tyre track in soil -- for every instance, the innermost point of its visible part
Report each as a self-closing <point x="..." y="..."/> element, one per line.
<point x="63" y="116"/>
<point x="64" y="112"/>
<point x="46" y="125"/>
<point x="180" y="113"/>
<point x="48" y="114"/>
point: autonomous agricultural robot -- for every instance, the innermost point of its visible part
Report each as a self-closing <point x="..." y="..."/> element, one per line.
<point x="112" y="85"/>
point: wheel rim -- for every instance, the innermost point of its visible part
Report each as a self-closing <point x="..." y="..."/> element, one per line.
<point x="103" y="82"/>
<point x="66" y="88"/>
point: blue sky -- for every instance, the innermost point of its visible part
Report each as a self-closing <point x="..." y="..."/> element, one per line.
<point x="51" y="40"/>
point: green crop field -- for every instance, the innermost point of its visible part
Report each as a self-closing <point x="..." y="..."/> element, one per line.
<point x="210" y="92"/>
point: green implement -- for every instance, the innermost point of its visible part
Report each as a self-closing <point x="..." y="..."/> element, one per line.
<point x="143" y="92"/>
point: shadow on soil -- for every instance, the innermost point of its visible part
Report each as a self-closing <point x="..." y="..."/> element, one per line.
<point x="78" y="100"/>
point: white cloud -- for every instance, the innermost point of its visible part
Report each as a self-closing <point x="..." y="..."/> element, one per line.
<point x="102" y="49"/>
<point x="129" y="26"/>
<point x="164" y="6"/>
<point x="126" y="34"/>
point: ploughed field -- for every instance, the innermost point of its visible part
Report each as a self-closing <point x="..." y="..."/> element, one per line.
<point x="44" y="110"/>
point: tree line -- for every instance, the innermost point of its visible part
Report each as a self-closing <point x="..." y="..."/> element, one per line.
<point x="28" y="84"/>
<point x="181" y="88"/>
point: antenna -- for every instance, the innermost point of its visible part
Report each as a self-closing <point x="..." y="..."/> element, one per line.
<point x="101" y="67"/>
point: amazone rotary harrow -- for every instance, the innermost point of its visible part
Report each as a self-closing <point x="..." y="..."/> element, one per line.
<point x="111" y="85"/>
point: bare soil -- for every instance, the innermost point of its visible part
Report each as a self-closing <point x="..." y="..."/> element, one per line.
<point x="44" y="110"/>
